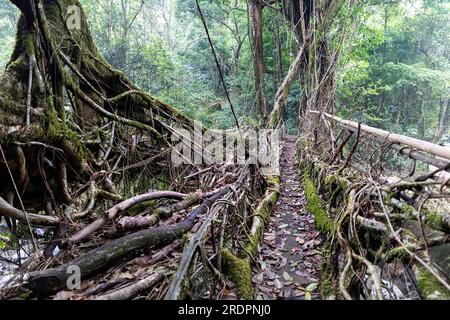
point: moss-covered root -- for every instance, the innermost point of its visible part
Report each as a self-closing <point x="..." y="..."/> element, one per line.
<point x="430" y="287"/>
<point x="239" y="269"/>
<point x="263" y="212"/>
<point x="240" y="272"/>
<point x="316" y="206"/>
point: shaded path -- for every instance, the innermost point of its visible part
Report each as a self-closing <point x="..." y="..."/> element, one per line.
<point x="289" y="257"/>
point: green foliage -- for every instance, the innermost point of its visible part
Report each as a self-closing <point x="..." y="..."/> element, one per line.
<point x="394" y="72"/>
<point x="8" y="16"/>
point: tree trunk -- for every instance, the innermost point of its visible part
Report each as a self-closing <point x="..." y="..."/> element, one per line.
<point x="55" y="49"/>
<point x="255" y="10"/>
<point x="443" y="121"/>
<point x="278" y="57"/>
<point x="422" y="120"/>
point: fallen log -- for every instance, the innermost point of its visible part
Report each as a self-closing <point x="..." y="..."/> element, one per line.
<point x="416" y="155"/>
<point x="118" y="208"/>
<point x="434" y="220"/>
<point x="50" y="281"/>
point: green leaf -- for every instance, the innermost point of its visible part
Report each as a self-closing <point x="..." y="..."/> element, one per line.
<point x="263" y="265"/>
<point x="287" y="277"/>
<point x="312" y="287"/>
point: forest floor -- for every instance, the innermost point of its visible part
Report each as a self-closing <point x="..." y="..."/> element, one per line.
<point x="290" y="255"/>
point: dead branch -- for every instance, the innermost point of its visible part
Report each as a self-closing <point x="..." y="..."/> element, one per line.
<point x="130" y="291"/>
<point x="35" y="219"/>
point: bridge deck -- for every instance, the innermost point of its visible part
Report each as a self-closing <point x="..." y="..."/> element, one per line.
<point x="289" y="257"/>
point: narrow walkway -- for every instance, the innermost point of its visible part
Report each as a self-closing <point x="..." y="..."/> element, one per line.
<point x="289" y="257"/>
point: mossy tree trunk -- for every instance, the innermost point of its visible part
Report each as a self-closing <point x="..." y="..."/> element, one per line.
<point x="57" y="87"/>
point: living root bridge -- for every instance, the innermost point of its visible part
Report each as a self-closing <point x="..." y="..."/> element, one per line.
<point x="93" y="140"/>
<point x="53" y="280"/>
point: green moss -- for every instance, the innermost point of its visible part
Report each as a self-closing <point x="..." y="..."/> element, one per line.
<point x="274" y="181"/>
<point x="335" y="186"/>
<point x="53" y="14"/>
<point x="58" y="130"/>
<point x="10" y="106"/>
<point x="434" y="220"/>
<point x="275" y="118"/>
<point x="335" y="182"/>
<point x="431" y="288"/>
<point x="327" y="288"/>
<point x="399" y="253"/>
<point x="264" y="210"/>
<point x="19" y="66"/>
<point x="193" y="198"/>
<point x="28" y="44"/>
<point x="329" y="270"/>
<point x="406" y="209"/>
<point x="389" y="197"/>
<point x="239" y="269"/>
<point x="240" y="273"/>
<point x="316" y="206"/>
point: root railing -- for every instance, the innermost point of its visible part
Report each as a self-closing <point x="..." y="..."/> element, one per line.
<point x="382" y="212"/>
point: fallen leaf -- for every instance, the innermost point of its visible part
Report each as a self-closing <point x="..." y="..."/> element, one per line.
<point x="278" y="284"/>
<point x="264" y="289"/>
<point x="312" y="287"/>
<point x="299" y="293"/>
<point x="259" y="279"/>
<point x="270" y="274"/>
<point x="296" y="250"/>
<point x="287" y="276"/>
<point x="263" y="265"/>
<point x="294" y="264"/>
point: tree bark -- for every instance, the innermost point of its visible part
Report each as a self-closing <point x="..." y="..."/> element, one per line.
<point x="64" y="59"/>
<point x="259" y="66"/>
<point x="443" y="121"/>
